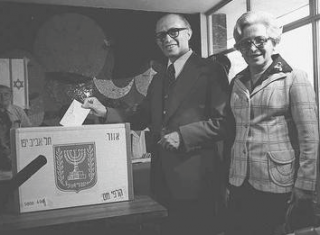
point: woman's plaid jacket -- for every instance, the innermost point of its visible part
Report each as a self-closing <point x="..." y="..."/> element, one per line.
<point x="277" y="140"/>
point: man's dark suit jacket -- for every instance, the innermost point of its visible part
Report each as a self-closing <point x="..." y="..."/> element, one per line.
<point x="196" y="107"/>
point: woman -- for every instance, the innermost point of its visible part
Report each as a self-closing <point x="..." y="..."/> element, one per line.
<point x="274" y="154"/>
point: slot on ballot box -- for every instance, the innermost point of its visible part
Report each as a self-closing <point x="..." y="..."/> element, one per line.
<point x="89" y="164"/>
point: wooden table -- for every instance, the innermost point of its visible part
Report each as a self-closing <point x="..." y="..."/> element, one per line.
<point x="142" y="209"/>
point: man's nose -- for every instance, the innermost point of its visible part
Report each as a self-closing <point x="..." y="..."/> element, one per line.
<point x="166" y="38"/>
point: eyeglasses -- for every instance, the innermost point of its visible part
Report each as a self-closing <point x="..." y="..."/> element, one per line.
<point x="173" y="33"/>
<point x="258" y="42"/>
<point x="5" y="94"/>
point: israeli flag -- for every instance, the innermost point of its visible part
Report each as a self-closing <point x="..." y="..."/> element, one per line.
<point x="14" y="74"/>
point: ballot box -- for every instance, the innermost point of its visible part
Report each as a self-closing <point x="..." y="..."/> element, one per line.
<point x="78" y="166"/>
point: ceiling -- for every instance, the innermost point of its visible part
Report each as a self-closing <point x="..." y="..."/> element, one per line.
<point x="180" y="6"/>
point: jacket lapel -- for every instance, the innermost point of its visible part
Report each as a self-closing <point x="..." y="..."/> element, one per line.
<point x="183" y="85"/>
<point x="277" y="70"/>
<point x="157" y="103"/>
<point x="267" y="82"/>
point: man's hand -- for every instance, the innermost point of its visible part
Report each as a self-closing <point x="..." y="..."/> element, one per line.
<point x="170" y="141"/>
<point x="96" y="107"/>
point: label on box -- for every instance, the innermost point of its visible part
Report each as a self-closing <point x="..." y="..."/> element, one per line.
<point x="35" y="204"/>
<point x="116" y="194"/>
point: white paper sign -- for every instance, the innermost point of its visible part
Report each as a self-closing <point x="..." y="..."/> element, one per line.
<point x="75" y="115"/>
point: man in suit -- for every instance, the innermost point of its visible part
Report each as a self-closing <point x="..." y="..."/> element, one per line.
<point x="185" y="110"/>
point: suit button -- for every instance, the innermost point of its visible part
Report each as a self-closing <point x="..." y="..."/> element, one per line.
<point x="166" y="96"/>
<point x="244" y="151"/>
<point x="164" y="111"/>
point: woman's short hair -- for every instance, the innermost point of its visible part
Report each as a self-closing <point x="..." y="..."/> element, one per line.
<point x="274" y="30"/>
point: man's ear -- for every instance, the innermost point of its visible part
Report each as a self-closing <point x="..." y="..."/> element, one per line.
<point x="189" y="33"/>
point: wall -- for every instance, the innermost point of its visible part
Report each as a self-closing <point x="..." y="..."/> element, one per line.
<point x="61" y="54"/>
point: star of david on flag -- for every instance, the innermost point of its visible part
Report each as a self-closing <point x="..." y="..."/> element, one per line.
<point x="14" y="74"/>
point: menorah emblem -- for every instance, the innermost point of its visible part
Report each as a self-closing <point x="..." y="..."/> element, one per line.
<point x="75" y="166"/>
<point x="75" y="157"/>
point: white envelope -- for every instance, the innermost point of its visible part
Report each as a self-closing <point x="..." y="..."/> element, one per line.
<point x="75" y="115"/>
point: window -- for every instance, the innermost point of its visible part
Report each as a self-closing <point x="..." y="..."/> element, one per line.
<point x="285" y="10"/>
<point x="318" y="71"/>
<point x="296" y="48"/>
<point x="233" y="11"/>
<point x="237" y="63"/>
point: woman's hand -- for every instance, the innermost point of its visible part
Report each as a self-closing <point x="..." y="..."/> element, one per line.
<point x="299" y="195"/>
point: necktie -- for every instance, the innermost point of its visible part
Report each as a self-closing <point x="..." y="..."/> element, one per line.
<point x="171" y="74"/>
